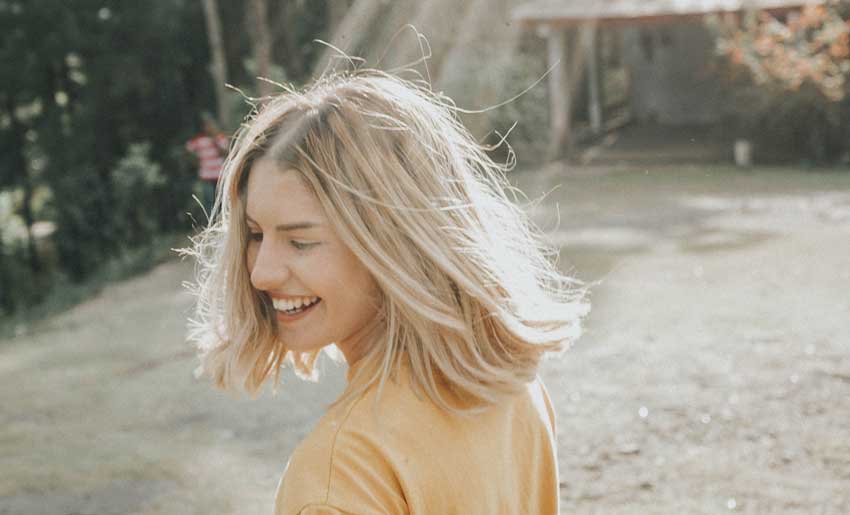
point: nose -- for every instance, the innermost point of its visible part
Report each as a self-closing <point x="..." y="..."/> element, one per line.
<point x="269" y="270"/>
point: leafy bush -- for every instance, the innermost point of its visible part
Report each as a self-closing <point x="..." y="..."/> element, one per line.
<point x="19" y="285"/>
<point x="136" y="181"/>
<point x="793" y="99"/>
<point x="85" y="228"/>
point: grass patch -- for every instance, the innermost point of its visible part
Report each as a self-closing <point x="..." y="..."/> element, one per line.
<point x="65" y="294"/>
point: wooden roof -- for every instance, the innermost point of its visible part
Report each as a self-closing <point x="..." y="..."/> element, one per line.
<point x="627" y="12"/>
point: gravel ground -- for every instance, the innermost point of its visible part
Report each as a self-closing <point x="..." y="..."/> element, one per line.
<point x="714" y="376"/>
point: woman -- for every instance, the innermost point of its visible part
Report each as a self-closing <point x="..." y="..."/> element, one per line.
<point x="360" y="212"/>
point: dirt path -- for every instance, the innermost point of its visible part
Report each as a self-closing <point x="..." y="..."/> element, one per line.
<point x="714" y="377"/>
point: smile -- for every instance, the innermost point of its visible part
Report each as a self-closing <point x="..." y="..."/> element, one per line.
<point x="294" y="306"/>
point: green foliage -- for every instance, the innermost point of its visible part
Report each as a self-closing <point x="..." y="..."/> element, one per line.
<point x="791" y="125"/>
<point x="19" y="285"/>
<point x="58" y="292"/>
<point x="82" y="82"/>
<point x="136" y="180"/>
<point x="86" y="228"/>
<point x="793" y="99"/>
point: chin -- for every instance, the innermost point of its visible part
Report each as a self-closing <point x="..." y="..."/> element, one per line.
<point x="296" y="346"/>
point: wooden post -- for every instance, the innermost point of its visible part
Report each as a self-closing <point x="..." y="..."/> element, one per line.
<point x="560" y="103"/>
<point x="593" y="80"/>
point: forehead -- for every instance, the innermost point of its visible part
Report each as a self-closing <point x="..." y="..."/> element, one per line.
<point x="274" y="193"/>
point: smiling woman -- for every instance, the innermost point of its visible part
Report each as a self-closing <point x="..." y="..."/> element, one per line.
<point x="320" y="291"/>
<point x="361" y="213"/>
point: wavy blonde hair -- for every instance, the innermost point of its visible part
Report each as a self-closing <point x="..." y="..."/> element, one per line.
<point x="470" y="296"/>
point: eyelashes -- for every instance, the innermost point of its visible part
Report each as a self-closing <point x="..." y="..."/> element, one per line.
<point x="302" y="245"/>
<point x="257" y="237"/>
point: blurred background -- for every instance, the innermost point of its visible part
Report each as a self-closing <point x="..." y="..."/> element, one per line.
<point x="690" y="158"/>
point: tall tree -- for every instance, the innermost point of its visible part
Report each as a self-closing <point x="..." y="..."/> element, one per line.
<point x="219" y="62"/>
<point x="20" y="166"/>
<point x="80" y="86"/>
<point x="335" y="12"/>
<point x="350" y="33"/>
<point x="261" y="43"/>
<point x="294" y="26"/>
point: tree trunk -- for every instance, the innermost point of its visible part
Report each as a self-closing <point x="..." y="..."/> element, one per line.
<point x="473" y="71"/>
<point x="219" y="64"/>
<point x="471" y="43"/>
<point x="7" y="302"/>
<point x="261" y="43"/>
<point x="29" y="220"/>
<point x="387" y="42"/>
<point x="560" y="93"/>
<point x="350" y="32"/>
<point x="283" y="40"/>
<point x="567" y="53"/>
<point x="441" y="29"/>
<point x="19" y="163"/>
<point x="594" y="85"/>
<point x="336" y="11"/>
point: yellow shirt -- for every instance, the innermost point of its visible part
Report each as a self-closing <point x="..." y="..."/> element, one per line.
<point x="411" y="457"/>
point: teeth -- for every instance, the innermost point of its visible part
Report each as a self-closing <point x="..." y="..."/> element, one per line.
<point x="293" y="303"/>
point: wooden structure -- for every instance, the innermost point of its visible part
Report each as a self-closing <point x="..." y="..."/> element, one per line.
<point x="571" y="30"/>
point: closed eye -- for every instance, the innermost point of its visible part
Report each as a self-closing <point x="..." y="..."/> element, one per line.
<point x="302" y="245"/>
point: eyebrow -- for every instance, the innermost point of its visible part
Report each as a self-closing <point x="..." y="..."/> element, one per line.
<point x="289" y="227"/>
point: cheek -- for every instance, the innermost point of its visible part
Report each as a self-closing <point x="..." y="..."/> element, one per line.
<point x="250" y="257"/>
<point x="364" y="291"/>
<point x="351" y="285"/>
<point x="369" y="288"/>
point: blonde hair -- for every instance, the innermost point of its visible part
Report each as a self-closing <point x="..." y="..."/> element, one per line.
<point x="470" y="297"/>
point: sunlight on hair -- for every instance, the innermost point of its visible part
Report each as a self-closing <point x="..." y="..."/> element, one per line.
<point x="471" y="296"/>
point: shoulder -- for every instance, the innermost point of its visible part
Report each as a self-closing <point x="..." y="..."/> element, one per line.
<point x="342" y="465"/>
<point x="542" y="403"/>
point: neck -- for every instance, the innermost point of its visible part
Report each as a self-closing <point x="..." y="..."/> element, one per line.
<point x="361" y="342"/>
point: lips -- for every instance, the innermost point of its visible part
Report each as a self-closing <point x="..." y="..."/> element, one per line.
<point x="289" y="310"/>
<point x="292" y="305"/>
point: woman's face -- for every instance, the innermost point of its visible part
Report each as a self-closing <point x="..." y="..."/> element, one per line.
<point x="321" y="292"/>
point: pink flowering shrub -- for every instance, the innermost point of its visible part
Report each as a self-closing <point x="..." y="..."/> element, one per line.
<point x="794" y="92"/>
